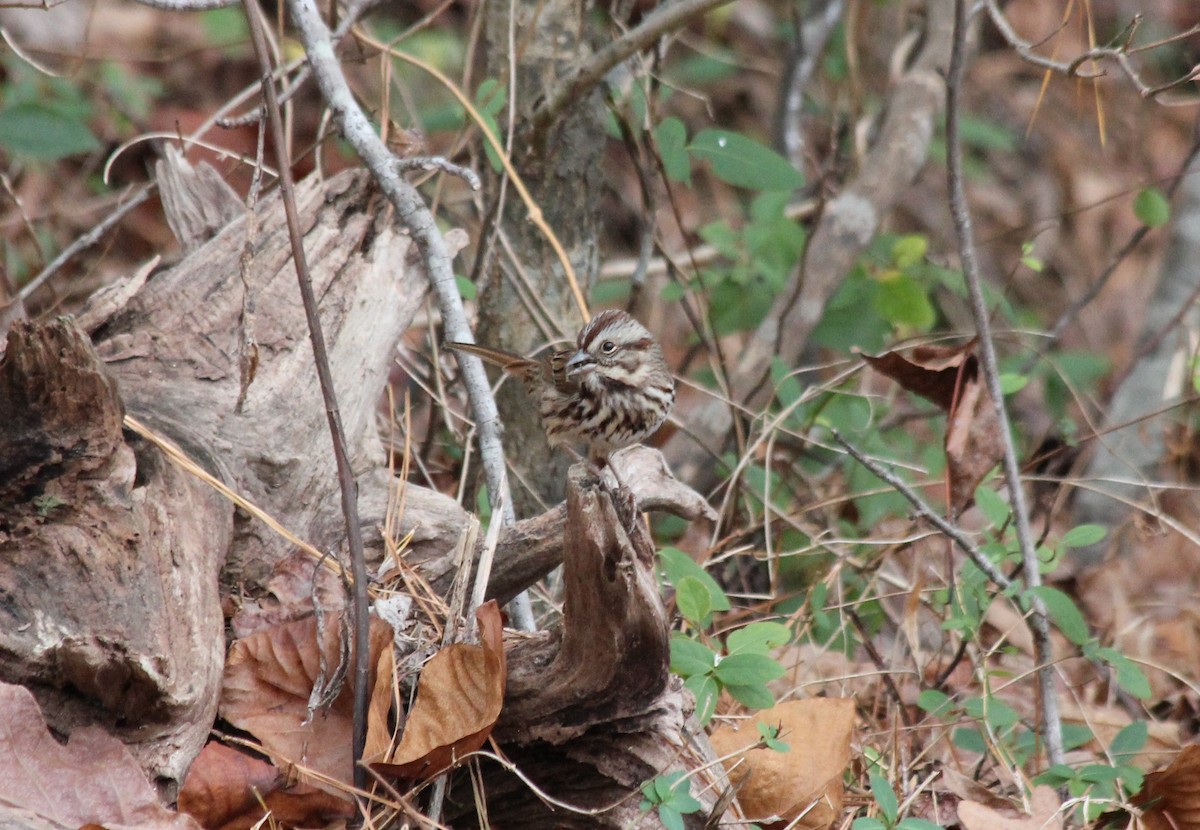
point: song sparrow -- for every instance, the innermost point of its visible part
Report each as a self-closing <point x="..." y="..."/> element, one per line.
<point x="611" y="391"/>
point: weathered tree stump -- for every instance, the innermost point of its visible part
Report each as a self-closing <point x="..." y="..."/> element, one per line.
<point x="111" y="555"/>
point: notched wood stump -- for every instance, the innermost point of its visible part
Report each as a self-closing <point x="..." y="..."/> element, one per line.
<point x="590" y="709"/>
<point x="111" y="555"/>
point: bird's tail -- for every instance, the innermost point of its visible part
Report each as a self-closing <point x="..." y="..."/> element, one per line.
<point x="509" y="362"/>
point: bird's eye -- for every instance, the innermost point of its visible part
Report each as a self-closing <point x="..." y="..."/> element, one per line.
<point x="608" y="347"/>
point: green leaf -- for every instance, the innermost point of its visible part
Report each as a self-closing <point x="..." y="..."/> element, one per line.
<point x="747" y="669"/>
<point x="1152" y="208"/>
<point x="757" y="637"/>
<point x="705" y="690"/>
<point x="489" y="100"/>
<point x="1129" y="675"/>
<point x="1064" y="613"/>
<point x="466" y="288"/>
<point x="39" y="130"/>
<point x="868" y="823"/>
<point x="1082" y="536"/>
<point x="902" y="302"/>
<point x="934" y="702"/>
<point x="993" y="506"/>
<point x="885" y="797"/>
<point x="743" y="162"/>
<point x="671" y="139"/>
<point x="751" y="695"/>
<point x="969" y="739"/>
<point x="1130" y="740"/>
<point x="909" y="250"/>
<point x="770" y="737"/>
<point x="1011" y="383"/>
<point x="676" y="565"/>
<point x="670" y="817"/>
<point x="690" y="658"/>
<point x="692" y="598"/>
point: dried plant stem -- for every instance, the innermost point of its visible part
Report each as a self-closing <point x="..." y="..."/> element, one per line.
<point x="1038" y="621"/>
<point x="349" y="487"/>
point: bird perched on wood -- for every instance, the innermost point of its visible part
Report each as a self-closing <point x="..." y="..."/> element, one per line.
<point x="611" y="391"/>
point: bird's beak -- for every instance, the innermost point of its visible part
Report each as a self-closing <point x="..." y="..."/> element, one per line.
<point x="579" y="363"/>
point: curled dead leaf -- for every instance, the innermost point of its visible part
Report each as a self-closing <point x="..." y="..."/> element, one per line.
<point x="806" y="781"/>
<point x="950" y="378"/>
<point x="1170" y="799"/>
<point x="459" y="695"/>
<point x="268" y="678"/>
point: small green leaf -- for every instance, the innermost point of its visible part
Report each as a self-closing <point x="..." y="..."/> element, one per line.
<point x="1082" y="536"/>
<point x="993" y="506"/>
<point x="909" y="250"/>
<point x="1152" y="208"/>
<point x="39" y="130"/>
<point x="671" y="139"/>
<point x="868" y="823"/>
<point x="934" y="702"/>
<point x="1129" y="675"/>
<point x="670" y="817"/>
<point x="903" y="302"/>
<point x="1064" y="613"/>
<point x="969" y="739"/>
<point x="689" y="657"/>
<point x="757" y="637"/>
<point x="770" y="737"/>
<point x="747" y="669"/>
<point x="743" y="162"/>
<point x="466" y="289"/>
<point x="1011" y="383"/>
<point x="1130" y="740"/>
<point x="751" y="695"/>
<point x="676" y="565"/>
<point x="692" y="599"/>
<point x="885" y="797"/>
<point x="705" y="690"/>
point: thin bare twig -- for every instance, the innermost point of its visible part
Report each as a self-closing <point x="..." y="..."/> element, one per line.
<point x="1118" y="54"/>
<point x="1039" y="623"/>
<point x="441" y="163"/>
<point x="187" y="5"/>
<point x="87" y="240"/>
<point x="346" y="481"/>
<point x="663" y="20"/>
<point x="412" y="211"/>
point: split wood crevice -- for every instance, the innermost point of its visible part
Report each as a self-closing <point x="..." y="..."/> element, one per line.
<point x="111" y="556"/>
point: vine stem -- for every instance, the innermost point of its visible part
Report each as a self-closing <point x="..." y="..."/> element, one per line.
<point x="1039" y="622"/>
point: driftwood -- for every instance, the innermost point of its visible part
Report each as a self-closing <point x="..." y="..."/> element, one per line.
<point x="111" y="555"/>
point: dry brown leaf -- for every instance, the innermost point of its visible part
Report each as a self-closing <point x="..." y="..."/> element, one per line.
<point x="949" y="377"/>
<point x="459" y="695"/>
<point x="1170" y="799"/>
<point x="786" y="784"/>
<point x="93" y="779"/>
<point x="1043" y="802"/>
<point x="268" y="678"/>
<point x="227" y="790"/>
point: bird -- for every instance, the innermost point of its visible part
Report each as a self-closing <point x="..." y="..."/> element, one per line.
<point x="612" y="390"/>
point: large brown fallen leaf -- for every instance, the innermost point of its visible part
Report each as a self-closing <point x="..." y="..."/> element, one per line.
<point x="459" y="695"/>
<point x="950" y="378"/>
<point x="1170" y="800"/>
<point x="1044" y="805"/>
<point x="227" y="790"/>
<point x="807" y="779"/>
<point x="94" y="779"/>
<point x="268" y="678"/>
